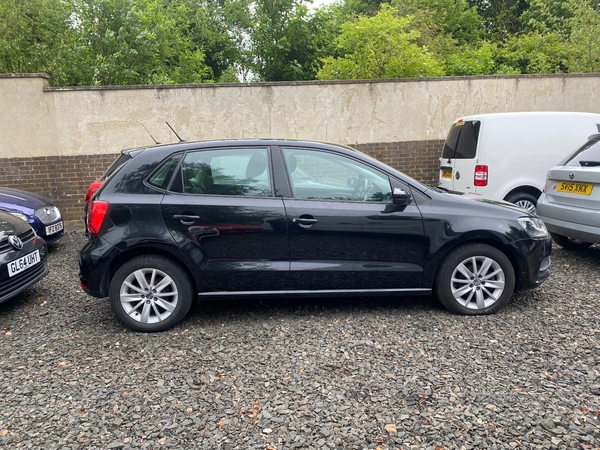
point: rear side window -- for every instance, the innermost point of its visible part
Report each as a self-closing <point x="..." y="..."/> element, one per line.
<point x="461" y="142"/>
<point x="161" y="177"/>
<point x="587" y="155"/>
<point x="239" y="172"/>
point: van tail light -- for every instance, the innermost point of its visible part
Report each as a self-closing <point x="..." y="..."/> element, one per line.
<point x="92" y="190"/>
<point x="481" y="176"/>
<point x="96" y="215"/>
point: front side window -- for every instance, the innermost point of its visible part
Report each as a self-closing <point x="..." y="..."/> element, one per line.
<point x="322" y="175"/>
<point x="239" y="172"/>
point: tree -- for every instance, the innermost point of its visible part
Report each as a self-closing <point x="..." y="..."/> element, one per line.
<point x="287" y="42"/>
<point x="379" y="47"/>
<point x="534" y="53"/>
<point x="35" y="36"/>
<point x="501" y="18"/>
<point x="585" y="36"/>
<point x="136" y="42"/>
<point x="220" y="28"/>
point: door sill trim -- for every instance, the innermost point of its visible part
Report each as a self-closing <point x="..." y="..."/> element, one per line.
<point x="316" y="293"/>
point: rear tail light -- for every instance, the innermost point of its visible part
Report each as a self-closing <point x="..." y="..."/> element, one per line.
<point x="481" y="176"/>
<point x="96" y="215"/>
<point x="92" y="190"/>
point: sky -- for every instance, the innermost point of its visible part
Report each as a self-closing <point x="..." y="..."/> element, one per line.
<point x="317" y="3"/>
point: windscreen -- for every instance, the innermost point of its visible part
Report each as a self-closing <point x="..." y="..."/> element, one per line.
<point x="461" y="142"/>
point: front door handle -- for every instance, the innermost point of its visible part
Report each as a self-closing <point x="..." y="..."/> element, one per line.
<point x="186" y="219"/>
<point x="304" y="221"/>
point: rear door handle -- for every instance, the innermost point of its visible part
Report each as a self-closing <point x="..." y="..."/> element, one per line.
<point x="186" y="219"/>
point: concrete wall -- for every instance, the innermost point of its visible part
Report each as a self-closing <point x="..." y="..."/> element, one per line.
<point x="70" y="134"/>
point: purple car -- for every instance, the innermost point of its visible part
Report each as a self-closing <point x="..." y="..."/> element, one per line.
<point x="35" y="209"/>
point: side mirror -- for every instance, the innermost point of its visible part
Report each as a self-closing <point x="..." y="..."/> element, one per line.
<point x="401" y="197"/>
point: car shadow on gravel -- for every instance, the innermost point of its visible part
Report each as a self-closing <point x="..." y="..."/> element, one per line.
<point x="215" y="310"/>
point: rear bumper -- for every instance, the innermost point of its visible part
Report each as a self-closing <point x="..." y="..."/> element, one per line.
<point x="95" y="256"/>
<point x="575" y="223"/>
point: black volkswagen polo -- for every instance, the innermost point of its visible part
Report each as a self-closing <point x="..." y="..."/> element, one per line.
<point x="22" y="256"/>
<point x="280" y="218"/>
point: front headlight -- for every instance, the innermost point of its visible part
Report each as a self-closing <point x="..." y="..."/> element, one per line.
<point x="21" y="216"/>
<point x="533" y="226"/>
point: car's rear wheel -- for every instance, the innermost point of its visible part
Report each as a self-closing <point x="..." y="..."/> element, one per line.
<point x="568" y="243"/>
<point x="150" y="293"/>
<point x="475" y="279"/>
<point x="524" y="200"/>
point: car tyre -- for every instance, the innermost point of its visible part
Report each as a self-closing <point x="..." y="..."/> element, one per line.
<point x="524" y="200"/>
<point x="475" y="279"/>
<point x="150" y="293"/>
<point x="570" y="244"/>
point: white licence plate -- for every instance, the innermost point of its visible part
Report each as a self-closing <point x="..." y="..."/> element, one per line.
<point x="54" y="228"/>
<point x="23" y="263"/>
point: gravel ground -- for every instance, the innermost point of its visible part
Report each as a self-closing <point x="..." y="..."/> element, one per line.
<point x="315" y="373"/>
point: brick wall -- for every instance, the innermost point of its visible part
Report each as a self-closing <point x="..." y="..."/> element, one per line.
<point x="417" y="159"/>
<point x="65" y="179"/>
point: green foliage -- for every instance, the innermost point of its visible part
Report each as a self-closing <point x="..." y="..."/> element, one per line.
<point x="471" y="60"/>
<point x="585" y="36"/>
<point x="35" y="35"/>
<point x="535" y="53"/>
<point x="545" y="16"/>
<point x="454" y="19"/>
<point x="219" y="29"/>
<point x="501" y="18"/>
<point x="379" y="47"/>
<point x="287" y="41"/>
<point x="101" y="42"/>
<point x="136" y="42"/>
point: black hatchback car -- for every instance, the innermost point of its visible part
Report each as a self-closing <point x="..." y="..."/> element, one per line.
<point x="262" y="218"/>
<point x="22" y="256"/>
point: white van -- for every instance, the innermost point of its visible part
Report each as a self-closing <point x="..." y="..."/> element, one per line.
<point x="505" y="156"/>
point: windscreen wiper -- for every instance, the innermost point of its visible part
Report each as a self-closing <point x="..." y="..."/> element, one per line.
<point x="589" y="163"/>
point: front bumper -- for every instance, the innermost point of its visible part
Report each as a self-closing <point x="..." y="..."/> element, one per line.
<point x="12" y="286"/>
<point x="535" y="262"/>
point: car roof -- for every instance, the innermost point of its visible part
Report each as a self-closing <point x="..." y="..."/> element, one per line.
<point x="187" y="145"/>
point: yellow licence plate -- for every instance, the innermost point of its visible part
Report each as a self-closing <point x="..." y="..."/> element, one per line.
<point x="575" y="188"/>
<point x="446" y="174"/>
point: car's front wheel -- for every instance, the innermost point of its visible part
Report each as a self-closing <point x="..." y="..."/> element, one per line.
<point x="150" y="293"/>
<point x="475" y="279"/>
<point x="570" y="244"/>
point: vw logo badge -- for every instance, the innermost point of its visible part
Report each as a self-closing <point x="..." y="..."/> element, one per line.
<point x="571" y="175"/>
<point x="15" y="242"/>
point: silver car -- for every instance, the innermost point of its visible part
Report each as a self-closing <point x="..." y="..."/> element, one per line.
<point x="570" y="204"/>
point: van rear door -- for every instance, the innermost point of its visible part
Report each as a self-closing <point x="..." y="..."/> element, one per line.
<point x="459" y="157"/>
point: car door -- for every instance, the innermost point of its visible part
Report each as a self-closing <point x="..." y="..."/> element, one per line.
<point x="221" y="211"/>
<point x="344" y="231"/>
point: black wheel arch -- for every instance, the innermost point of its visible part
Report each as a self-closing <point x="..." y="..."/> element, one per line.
<point x="197" y="282"/>
<point x="510" y="253"/>
<point x="531" y="190"/>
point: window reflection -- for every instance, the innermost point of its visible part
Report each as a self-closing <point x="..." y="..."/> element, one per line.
<point x="327" y="176"/>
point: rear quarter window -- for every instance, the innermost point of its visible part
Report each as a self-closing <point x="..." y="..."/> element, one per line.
<point x="462" y="139"/>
